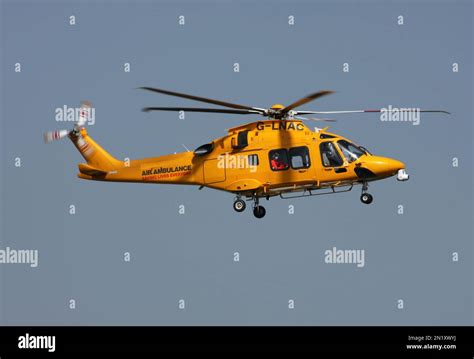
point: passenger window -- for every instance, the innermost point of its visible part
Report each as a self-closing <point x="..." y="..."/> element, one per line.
<point x="329" y="155"/>
<point x="253" y="160"/>
<point x="299" y="157"/>
<point x="278" y="160"/>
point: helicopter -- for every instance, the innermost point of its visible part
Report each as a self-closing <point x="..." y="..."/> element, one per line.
<point x="278" y="155"/>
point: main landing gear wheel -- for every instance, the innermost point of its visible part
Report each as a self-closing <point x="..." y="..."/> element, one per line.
<point x="239" y="205"/>
<point x="366" y="198"/>
<point x="259" y="211"/>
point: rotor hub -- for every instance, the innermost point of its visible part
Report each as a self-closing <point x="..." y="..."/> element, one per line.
<point x="277" y="106"/>
<point x="276" y="112"/>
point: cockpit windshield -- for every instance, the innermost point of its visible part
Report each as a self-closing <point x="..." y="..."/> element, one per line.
<point x="350" y="151"/>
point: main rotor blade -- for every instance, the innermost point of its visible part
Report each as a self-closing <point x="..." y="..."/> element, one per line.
<point x="196" y="109"/>
<point x="306" y="99"/>
<point x="363" y="111"/>
<point x="314" y="119"/>
<point x="203" y="99"/>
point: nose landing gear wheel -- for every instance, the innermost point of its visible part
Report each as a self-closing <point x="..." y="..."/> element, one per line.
<point x="239" y="205"/>
<point x="366" y="198"/>
<point x="259" y="211"/>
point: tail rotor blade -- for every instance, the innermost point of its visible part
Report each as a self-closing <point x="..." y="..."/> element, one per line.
<point x="84" y="114"/>
<point x="55" y="135"/>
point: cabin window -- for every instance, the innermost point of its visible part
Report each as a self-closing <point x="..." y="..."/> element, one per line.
<point x="350" y="151"/>
<point x="253" y="160"/>
<point x="279" y="160"/>
<point x="329" y="155"/>
<point x="299" y="157"/>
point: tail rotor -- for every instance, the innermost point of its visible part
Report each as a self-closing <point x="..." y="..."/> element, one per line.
<point x="84" y="116"/>
<point x="55" y="135"/>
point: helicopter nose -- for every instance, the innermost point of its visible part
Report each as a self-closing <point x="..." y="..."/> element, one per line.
<point x="384" y="166"/>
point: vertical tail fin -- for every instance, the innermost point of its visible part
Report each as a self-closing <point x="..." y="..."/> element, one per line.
<point x="93" y="153"/>
<point x="96" y="157"/>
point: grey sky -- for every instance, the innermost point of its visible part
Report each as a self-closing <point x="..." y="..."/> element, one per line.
<point x="190" y="256"/>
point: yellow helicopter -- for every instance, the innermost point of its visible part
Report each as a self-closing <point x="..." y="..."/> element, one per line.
<point x="277" y="156"/>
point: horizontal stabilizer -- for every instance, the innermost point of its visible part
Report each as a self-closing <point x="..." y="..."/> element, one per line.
<point x="91" y="171"/>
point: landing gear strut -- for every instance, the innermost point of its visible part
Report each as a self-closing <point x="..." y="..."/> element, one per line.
<point x="366" y="197"/>
<point x="258" y="211"/>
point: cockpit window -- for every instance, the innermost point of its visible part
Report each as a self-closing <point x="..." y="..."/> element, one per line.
<point x="329" y="155"/>
<point x="363" y="149"/>
<point x="350" y="151"/>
